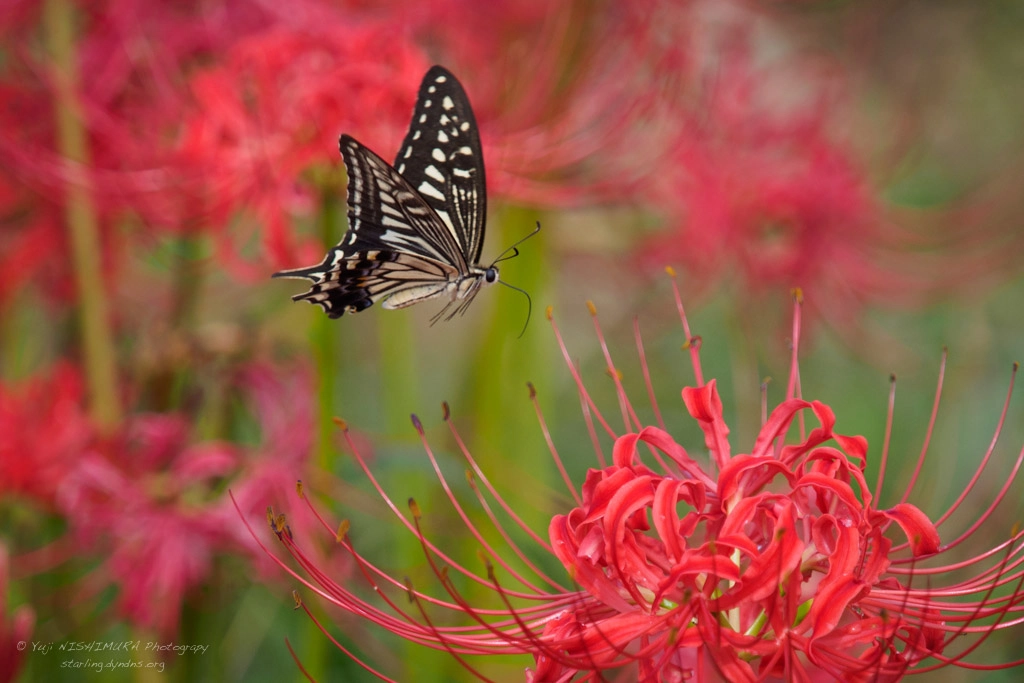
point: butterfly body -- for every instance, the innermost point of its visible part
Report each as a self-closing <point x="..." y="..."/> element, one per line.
<point x="416" y="228"/>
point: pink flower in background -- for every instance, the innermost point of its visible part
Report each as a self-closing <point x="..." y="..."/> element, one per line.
<point x="192" y="113"/>
<point x="776" y="563"/>
<point x="282" y="404"/>
<point x="264" y="133"/>
<point x="32" y="234"/>
<point x="202" y="117"/>
<point x="133" y="59"/>
<point x="222" y="118"/>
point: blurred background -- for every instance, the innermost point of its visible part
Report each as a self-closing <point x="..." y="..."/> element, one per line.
<point x="158" y="161"/>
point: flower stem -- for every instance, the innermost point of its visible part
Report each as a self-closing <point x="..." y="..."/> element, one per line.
<point x="326" y="336"/>
<point x="399" y="374"/>
<point x="80" y="213"/>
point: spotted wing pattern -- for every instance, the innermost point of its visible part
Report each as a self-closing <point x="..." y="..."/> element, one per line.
<point x="442" y="159"/>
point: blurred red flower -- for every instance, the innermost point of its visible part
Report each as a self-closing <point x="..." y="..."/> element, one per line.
<point x="773" y="564"/>
<point x="566" y="95"/>
<point x="131" y="59"/>
<point x="264" y="132"/>
<point x="283" y="405"/>
<point x="45" y="431"/>
<point x="145" y="498"/>
<point x="148" y="501"/>
<point x="760" y="192"/>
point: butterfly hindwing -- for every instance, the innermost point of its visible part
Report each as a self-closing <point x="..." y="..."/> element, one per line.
<point x="442" y="159"/>
<point x="364" y="277"/>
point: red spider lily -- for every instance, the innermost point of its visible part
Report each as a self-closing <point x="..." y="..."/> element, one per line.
<point x="192" y="112"/>
<point x="27" y="243"/>
<point x="152" y="498"/>
<point x="45" y="429"/>
<point x="268" y="116"/>
<point x="145" y="498"/>
<point x="763" y="193"/>
<point x="196" y="112"/>
<point x="564" y="93"/>
<point x="271" y="113"/>
<point x="148" y="501"/>
<point x="133" y="60"/>
<point x="130" y="97"/>
<point x="772" y="564"/>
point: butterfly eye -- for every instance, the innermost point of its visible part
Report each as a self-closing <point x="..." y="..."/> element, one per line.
<point x="491" y="275"/>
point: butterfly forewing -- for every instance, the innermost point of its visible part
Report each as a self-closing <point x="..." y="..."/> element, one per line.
<point x="442" y="159"/>
<point x="386" y="213"/>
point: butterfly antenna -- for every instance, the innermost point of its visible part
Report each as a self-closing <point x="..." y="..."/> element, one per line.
<point x="514" y="248"/>
<point x="529" y="304"/>
<point x="515" y="252"/>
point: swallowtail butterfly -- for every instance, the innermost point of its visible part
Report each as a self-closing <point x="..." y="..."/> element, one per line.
<point x="416" y="229"/>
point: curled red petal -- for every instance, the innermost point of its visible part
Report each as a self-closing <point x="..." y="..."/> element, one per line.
<point x="705" y="405"/>
<point x="921" y="533"/>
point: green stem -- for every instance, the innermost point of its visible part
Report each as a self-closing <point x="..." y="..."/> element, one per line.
<point x="743" y="363"/>
<point x="503" y="362"/>
<point x="399" y="374"/>
<point x="326" y="339"/>
<point x="164" y="385"/>
<point x="83" y="229"/>
<point x="188" y="279"/>
<point x="399" y="377"/>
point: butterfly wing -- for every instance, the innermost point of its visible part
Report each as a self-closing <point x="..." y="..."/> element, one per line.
<point x="365" y="277"/>
<point x="443" y="161"/>
<point x="415" y="228"/>
<point x="396" y="245"/>
<point x="385" y="212"/>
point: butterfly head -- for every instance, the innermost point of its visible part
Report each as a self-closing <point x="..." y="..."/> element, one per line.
<point x="478" y="277"/>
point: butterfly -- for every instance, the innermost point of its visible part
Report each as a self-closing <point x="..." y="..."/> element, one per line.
<point x="416" y="229"/>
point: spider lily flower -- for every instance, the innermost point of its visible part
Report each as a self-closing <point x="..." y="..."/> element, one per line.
<point x="768" y="195"/>
<point x="190" y="114"/>
<point x="255" y="139"/>
<point x="149" y="500"/>
<point x="45" y="429"/>
<point x="144" y="507"/>
<point x="775" y="563"/>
